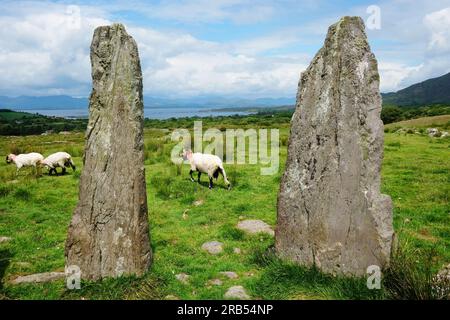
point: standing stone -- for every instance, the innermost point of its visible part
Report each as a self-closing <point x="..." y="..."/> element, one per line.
<point x="109" y="232"/>
<point x="330" y="210"/>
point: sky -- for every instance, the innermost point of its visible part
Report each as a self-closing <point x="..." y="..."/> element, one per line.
<point x="230" y="48"/>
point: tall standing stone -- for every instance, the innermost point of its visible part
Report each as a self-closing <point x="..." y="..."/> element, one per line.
<point x="109" y="232"/>
<point x="330" y="210"/>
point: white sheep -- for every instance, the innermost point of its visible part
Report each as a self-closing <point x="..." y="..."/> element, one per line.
<point x="25" y="160"/>
<point x="58" y="159"/>
<point x="205" y="163"/>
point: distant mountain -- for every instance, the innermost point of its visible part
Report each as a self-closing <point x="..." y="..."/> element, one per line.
<point x="432" y="91"/>
<point x="29" y="103"/>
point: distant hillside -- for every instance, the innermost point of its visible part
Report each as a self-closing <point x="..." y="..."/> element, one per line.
<point x="23" y="123"/>
<point x="432" y="91"/>
<point x="67" y="102"/>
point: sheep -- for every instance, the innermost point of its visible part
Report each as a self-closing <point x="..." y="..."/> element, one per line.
<point x="58" y="159"/>
<point x="205" y="163"/>
<point x="25" y="160"/>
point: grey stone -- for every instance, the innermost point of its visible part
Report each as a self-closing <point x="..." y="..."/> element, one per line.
<point x="330" y="210"/>
<point x="229" y="274"/>
<point x="182" y="277"/>
<point x="237" y="292"/>
<point x="237" y="250"/>
<point x="442" y="282"/>
<point x="255" y="226"/>
<point x="109" y="232"/>
<point x="215" y="282"/>
<point x="39" y="277"/>
<point x="213" y="247"/>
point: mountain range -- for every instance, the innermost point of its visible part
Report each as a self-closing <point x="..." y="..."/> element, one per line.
<point x="429" y="92"/>
<point x="66" y="102"/>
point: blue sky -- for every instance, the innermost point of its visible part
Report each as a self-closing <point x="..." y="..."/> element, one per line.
<point x="238" y="48"/>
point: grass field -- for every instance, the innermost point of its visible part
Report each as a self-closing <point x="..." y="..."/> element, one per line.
<point x="442" y="122"/>
<point x="35" y="213"/>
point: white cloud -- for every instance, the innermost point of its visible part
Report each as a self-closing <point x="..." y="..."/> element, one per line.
<point x="438" y="23"/>
<point x="394" y="74"/>
<point x="43" y="51"/>
<point x="181" y="65"/>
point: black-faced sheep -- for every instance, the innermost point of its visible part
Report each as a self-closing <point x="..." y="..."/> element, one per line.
<point x="58" y="159"/>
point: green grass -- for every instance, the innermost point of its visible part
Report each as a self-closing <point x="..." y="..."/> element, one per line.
<point x="36" y="212"/>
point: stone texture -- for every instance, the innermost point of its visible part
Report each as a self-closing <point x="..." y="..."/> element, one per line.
<point x="39" y="277"/>
<point x="182" y="277"/>
<point x="213" y="247"/>
<point x="236" y="292"/>
<point x="330" y="210"/>
<point x="109" y="233"/>
<point x="442" y="282"/>
<point x="255" y="226"/>
<point x="237" y="250"/>
<point x="215" y="282"/>
<point x="229" y="274"/>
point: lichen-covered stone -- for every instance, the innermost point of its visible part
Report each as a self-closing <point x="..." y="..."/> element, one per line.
<point x="109" y="233"/>
<point x="330" y="210"/>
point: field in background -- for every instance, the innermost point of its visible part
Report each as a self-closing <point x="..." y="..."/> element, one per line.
<point x="442" y="122"/>
<point x="35" y="213"/>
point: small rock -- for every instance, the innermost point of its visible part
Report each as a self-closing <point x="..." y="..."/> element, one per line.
<point x="4" y="239"/>
<point x="198" y="202"/>
<point x="230" y="274"/>
<point x="182" y="277"/>
<point x="171" y="297"/>
<point x="445" y="272"/>
<point x="39" y="277"/>
<point x="237" y="292"/>
<point x="215" y="282"/>
<point x="237" y="250"/>
<point x="443" y="282"/>
<point x="433" y="132"/>
<point x="255" y="226"/>
<point x="213" y="247"/>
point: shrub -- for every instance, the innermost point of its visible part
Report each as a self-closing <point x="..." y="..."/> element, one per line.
<point x="410" y="276"/>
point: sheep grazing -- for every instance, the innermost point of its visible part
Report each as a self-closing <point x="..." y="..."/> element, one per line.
<point x="205" y="163"/>
<point x="25" y="160"/>
<point x="58" y="159"/>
